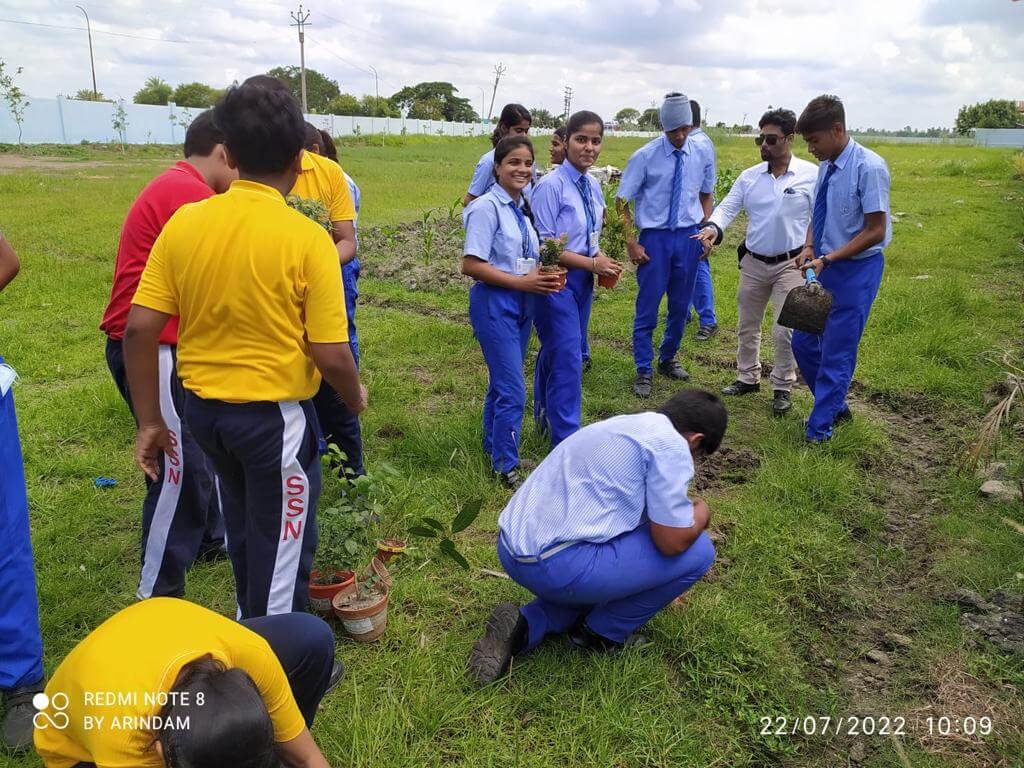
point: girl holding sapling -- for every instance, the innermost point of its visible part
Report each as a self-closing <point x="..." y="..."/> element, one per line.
<point x="515" y="120"/>
<point x="501" y="254"/>
<point x="569" y="202"/>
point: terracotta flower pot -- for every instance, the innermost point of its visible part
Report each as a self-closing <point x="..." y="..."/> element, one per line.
<point x="363" y="619"/>
<point x="608" y="281"/>
<point x="560" y="271"/>
<point x="389" y="548"/>
<point x="320" y="595"/>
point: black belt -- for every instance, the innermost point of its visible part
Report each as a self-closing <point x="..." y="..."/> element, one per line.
<point x="770" y="260"/>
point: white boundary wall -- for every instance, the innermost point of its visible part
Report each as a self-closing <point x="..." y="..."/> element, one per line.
<point x="69" y="121"/>
<point x="999" y="137"/>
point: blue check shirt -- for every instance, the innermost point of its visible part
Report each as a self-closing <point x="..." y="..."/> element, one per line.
<point x="605" y="480"/>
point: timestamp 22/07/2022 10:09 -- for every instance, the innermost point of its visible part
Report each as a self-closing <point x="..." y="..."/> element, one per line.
<point x="871" y="725"/>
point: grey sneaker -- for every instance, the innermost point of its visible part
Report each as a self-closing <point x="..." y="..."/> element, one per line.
<point x="16" y="728"/>
<point x="505" y="634"/>
<point x="705" y="332"/>
<point x="673" y="370"/>
<point x="781" y="403"/>
<point x="642" y="385"/>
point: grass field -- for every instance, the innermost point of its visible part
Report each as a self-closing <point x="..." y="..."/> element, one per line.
<point x="823" y="552"/>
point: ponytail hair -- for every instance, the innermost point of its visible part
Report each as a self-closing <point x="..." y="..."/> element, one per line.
<point x="511" y="115"/>
<point x="581" y="118"/>
<point x="327" y="147"/>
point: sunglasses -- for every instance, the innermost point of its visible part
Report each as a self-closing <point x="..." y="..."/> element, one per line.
<point x="770" y="139"/>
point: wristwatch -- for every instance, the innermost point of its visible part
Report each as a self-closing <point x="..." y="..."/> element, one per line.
<point x="825" y="261"/>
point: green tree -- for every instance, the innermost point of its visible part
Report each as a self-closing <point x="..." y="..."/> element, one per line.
<point x="628" y="116"/>
<point x="13" y="96"/>
<point x="320" y="89"/>
<point x="195" y="95"/>
<point x="87" y="94"/>
<point x="997" y="113"/>
<point x="344" y="104"/>
<point x="434" y="101"/>
<point x="650" y="119"/>
<point x="542" y="118"/>
<point x="374" y="107"/>
<point x="155" y="91"/>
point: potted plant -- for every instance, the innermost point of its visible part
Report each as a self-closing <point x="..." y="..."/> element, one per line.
<point x="389" y="548"/>
<point x="613" y="239"/>
<point x="345" y="527"/>
<point x="362" y="606"/>
<point x="311" y="209"/>
<point x="550" y="253"/>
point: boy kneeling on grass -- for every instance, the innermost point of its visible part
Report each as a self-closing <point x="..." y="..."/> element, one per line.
<point x="603" y="532"/>
<point x="258" y="289"/>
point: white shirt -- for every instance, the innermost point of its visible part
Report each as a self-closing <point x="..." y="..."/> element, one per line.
<point x="779" y="209"/>
<point x="605" y="480"/>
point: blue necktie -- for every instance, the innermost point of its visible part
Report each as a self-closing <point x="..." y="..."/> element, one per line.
<point x="677" y="191"/>
<point x="523" y="231"/>
<point x="583" y="185"/>
<point x="821" y="210"/>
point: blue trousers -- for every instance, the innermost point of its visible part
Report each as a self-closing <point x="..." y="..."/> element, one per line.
<point x="267" y="460"/>
<point x="671" y="271"/>
<point x="618" y="585"/>
<point x="502" y="321"/>
<point x="827" y="361"/>
<point x="21" y="644"/>
<point x="339" y="424"/>
<point x="558" y="374"/>
<point x="704" y="295"/>
<point x="181" y="516"/>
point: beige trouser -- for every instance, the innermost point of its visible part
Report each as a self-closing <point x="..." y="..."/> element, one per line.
<point x="760" y="282"/>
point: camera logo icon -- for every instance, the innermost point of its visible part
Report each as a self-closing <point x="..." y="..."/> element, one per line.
<point x="43" y="719"/>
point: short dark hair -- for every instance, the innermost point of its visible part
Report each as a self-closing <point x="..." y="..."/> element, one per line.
<point x="203" y="135"/>
<point x="697" y="410"/>
<point x="581" y="118"/>
<point x="263" y="128"/>
<point x="230" y="727"/>
<point x="269" y="82"/>
<point x="821" y="114"/>
<point x="327" y="145"/>
<point x="784" y="118"/>
<point x="695" y="109"/>
<point x="560" y="132"/>
<point x="312" y="136"/>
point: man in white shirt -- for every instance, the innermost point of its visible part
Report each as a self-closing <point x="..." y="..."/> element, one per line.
<point x="604" y="532"/>
<point x="778" y="196"/>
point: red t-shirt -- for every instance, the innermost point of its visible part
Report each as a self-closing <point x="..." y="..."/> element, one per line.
<point x="149" y="213"/>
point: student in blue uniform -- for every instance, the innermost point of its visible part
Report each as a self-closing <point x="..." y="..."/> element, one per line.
<point x="849" y="228"/>
<point x="605" y="532"/>
<point x="501" y="255"/>
<point x="557" y="152"/>
<point x="515" y="120"/>
<point x="668" y="183"/>
<point x="21" y="644"/>
<point x="568" y="201"/>
<point x="703" y="290"/>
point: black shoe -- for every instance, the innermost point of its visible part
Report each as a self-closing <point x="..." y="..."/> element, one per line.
<point x="705" y="332"/>
<point x="584" y="638"/>
<point x="781" y="404"/>
<point x="673" y="370"/>
<point x="16" y="729"/>
<point x="842" y="417"/>
<point x="741" y="388"/>
<point x="587" y="365"/>
<point x="642" y="385"/>
<point x="337" y="675"/>
<point x="505" y="634"/>
<point x="511" y="479"/>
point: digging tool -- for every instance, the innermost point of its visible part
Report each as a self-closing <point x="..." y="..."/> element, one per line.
<point x="807" y="306"/>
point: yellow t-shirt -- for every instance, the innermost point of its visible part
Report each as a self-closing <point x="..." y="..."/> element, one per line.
<point x="254" y="281"/>
<point x="323" y="179"/>
<point x="120" y="670"/>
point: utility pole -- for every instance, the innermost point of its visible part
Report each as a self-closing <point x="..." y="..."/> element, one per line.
<point x="567" y="103"/>
<point x="499" y="70"/>
<point x="376" y="99"/>
<point x="88" y="28"/>
<point x="300" y="20"/>
<point x="483" y="99"/>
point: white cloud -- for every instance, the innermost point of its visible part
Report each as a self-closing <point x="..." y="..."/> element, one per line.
<point x="894" y="63"/>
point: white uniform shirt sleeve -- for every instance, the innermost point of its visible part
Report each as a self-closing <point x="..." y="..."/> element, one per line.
<point x="669" y="472"/>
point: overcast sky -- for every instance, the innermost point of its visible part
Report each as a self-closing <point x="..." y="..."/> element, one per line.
<point x="894" y="62"/>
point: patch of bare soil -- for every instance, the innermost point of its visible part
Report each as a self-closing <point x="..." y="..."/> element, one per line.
<point x="727" y="466"/>
<point x="10" y="162"/>
<point x="422" y="255"/>
<point x="878" y="641"/>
